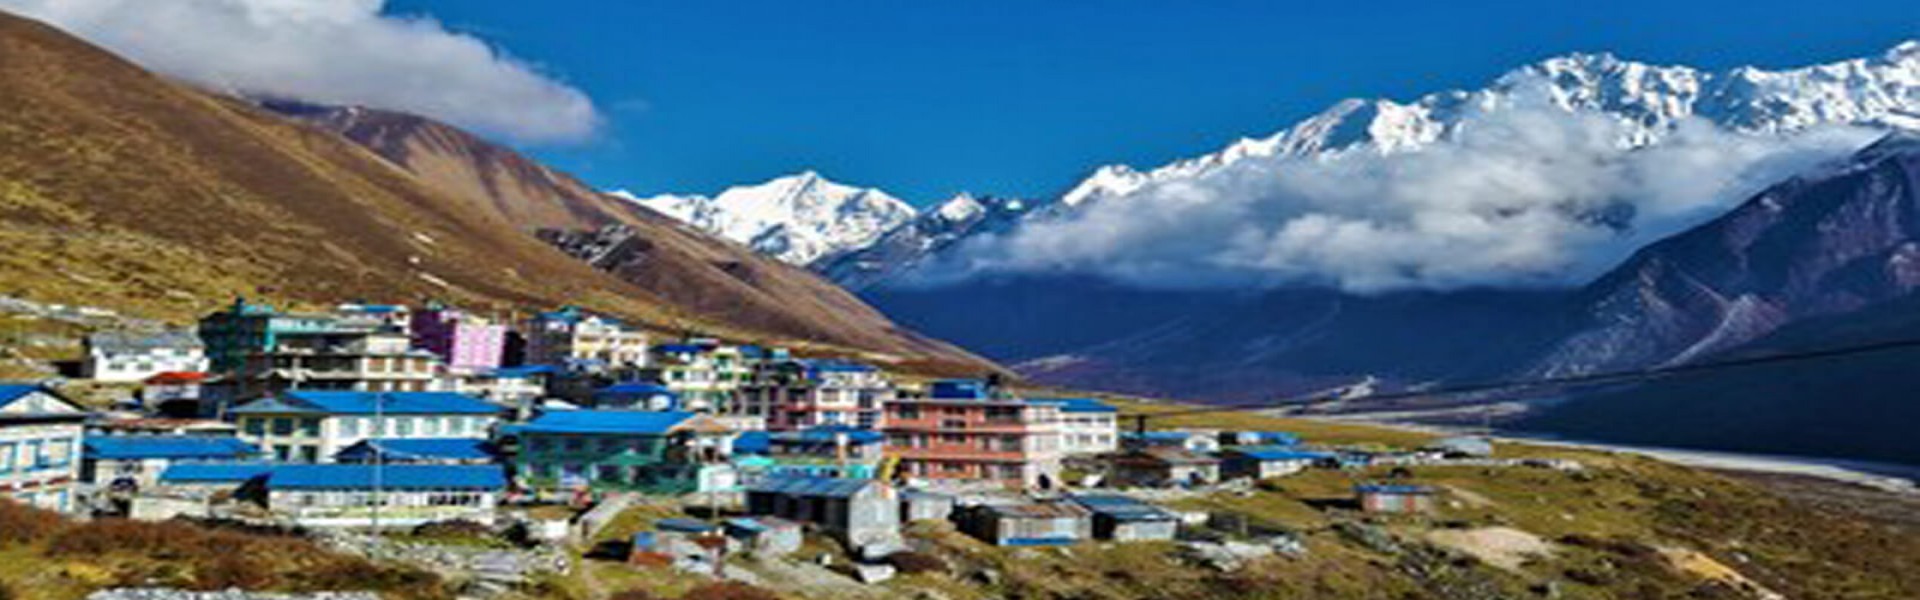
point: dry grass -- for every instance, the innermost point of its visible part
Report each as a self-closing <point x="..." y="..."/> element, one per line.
<point x="48" y="557"/>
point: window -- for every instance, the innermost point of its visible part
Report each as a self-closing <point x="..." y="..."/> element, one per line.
<point x="349" y="427"/>
<point x="309" y="454"/>
<point x="610" y="473"/>
<point x="574" y="444"/>
<point x="6" y="458"/>
<point x="59" y="452"/>
<point x="431" y="425"/>
<point x="282" y="426"/>
<point x="310" y="427"/>
<point x="610" y="444"/>
<point x="540" y="444"/>
<point x="404" y="427"/>
<point x="907" y="412"/>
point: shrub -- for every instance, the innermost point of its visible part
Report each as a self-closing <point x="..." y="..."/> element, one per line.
<point x="233" y="570"/>
<point x="728" y="590"/>
<point x="20" y="524"/>
<point x="909" y="563"/>
<point x="457" y="528"/>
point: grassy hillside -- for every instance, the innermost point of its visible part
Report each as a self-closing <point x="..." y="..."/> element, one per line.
<point x="124" y="190"/>
<point x="43" y="556"/>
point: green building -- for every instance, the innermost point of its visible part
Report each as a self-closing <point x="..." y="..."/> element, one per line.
<point x="246" y="329"/>
<point x="620" y="450"/>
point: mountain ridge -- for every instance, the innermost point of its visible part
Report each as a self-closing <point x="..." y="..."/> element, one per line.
<point x="128" y="191"/>
<point x="796" y="218"/>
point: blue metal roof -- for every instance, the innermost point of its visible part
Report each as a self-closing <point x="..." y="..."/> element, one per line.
<point x="1158" y="436"/>
<point x="339" y="476"/>
<point x="418" y="449"/>
<point x="752" y="442"/>
<point x="1078" y="405"/>
<point x="1392" y="488"/>
<point x="524" y="371"/>
<point x="13" y="392"/>
<point x="137" y="447"/>
<point x="959" y="389"/>
<point x="683" y="524"/>
<point x="635" y="388"/>
<point x="365" y="403"/>
<point x="1279" y="453"/>
<point x="214" y="472"/>
<point x="1121" y="507"/>
<point x="834" y="365"/>
<point x="826" y="434"/>
<point x="682" y="348"/>
<point x="631" y="422"/>
<point x="830" y="487"/>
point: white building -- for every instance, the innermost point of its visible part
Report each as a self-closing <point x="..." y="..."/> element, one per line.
<point x="569" y="336"/>
<point x="40" y="435"/>
<point x="389" y="495"/>
<point x="799" y="394"/>
<point x="1087" y="426"/>
<point x="126" y="356"/>
<point x="313" y="426"/>
<point x="708" y="375"/>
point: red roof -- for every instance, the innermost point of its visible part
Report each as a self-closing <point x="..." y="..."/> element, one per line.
<point x="177" y="378"/>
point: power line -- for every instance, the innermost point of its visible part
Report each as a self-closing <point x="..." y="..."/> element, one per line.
<point x="1620" y="376"/>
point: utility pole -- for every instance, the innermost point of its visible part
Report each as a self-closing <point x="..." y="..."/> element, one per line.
<point x="379" y="461"/>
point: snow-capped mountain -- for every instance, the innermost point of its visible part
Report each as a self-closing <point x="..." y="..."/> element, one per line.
<point x="797" y="218"/>
<point x="933" y="231"/>
<point x="1649" y="100"/>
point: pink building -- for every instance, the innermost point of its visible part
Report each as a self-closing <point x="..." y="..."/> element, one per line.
<point x="467" y="343"/>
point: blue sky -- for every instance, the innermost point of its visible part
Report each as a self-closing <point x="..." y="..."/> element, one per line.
<point x="927" y="99"/>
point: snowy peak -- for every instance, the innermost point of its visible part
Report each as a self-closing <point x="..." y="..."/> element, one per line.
<point x="1649" y="100"/>
<point x="797" y="218"/>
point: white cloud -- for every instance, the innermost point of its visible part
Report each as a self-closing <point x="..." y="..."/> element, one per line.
<point x="1520" y="197"/>
<point x="331" y="51"/>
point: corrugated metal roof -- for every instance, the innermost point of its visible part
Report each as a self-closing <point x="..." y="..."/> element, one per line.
<point x="752" y="442"/>
<point x="636" y="388"/>
<point x="140" y="341"/>
<point x="684" y="525"/>
<point x="339" y="476"/>
<point x="13" y="392"/>
<point x="1078" y="405"/>
<point x="826" y="434"/>
<point x="1278" y="453"/>
<point x="1038" y="510"/>
<point x="214" y="472"/>
<point x="634" y="422"/>
<point x="524" y="371"/>
<point x="137" y="447"/>
<point x="959" y="389"/>
<point x="829" y="487"/>
<point x="1392" y="488"/>
<point x="418" y="449"/>
<point x="1122" y="507"/>
<point x="364" y="403"/>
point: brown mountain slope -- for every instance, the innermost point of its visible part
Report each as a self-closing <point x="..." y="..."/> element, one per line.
<point x="689" y="268"/>
<point x="121" y="189"/>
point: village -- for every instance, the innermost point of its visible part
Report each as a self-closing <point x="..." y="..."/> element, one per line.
<point x="383" y="418"/>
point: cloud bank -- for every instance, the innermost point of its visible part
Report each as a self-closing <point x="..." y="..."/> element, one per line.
<point x="334" y="52"/>
<point x="1520" y="196"/>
